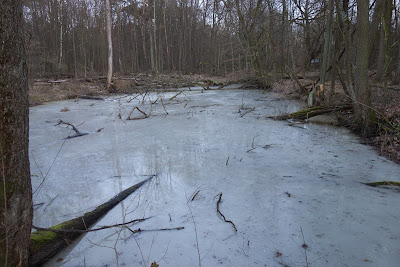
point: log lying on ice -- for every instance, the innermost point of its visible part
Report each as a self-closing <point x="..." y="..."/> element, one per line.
<point x="311" y="112"/>
<point x="383" y="183"/>
<point x="44" y="244"/>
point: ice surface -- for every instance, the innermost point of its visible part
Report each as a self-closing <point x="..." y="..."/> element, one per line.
<point x="208" y="143"/>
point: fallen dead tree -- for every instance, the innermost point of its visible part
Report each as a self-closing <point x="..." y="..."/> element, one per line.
<point x="311" y="112"/>
<point x="384" y="183"/>
<point x="88" y="97"/>
<point x="46" y="243"/>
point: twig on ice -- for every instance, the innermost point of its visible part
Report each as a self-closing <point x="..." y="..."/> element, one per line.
<point x="50" y="202"/>
<point x="252" y="144"/>
<point x="78" y="133"/>
<point x="305" y="246"/>
<point x="162" y="102"/>
<point x="195" y="230"/>
<point x="219" y="212"/>
<point x="251" y="149"/>
<point x="195" y="195"/>
<point x="176" y="95"/>
<point x="247" y="112"/>
<point x="130" y="113"/>
<point x="152" y="230"/>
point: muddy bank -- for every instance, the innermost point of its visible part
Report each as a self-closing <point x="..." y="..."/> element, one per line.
<point x="46" y="90"/>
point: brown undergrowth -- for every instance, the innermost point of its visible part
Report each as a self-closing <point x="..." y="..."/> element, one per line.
<point x="46" y="90"/>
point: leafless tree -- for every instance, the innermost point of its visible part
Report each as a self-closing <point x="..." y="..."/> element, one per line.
<point x="15" y="183"/>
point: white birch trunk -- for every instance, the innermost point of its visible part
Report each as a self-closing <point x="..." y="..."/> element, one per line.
<point x="109" y="42"/>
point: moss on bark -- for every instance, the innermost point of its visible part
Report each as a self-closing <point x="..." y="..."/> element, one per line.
<point x="44" y="243"/>
<point x="390" y="183"/>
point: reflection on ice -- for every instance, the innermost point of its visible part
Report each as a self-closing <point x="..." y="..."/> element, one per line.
<point x="186" y="142"/>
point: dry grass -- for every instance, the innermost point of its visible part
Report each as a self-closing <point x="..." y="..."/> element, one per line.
<point x="46" y="91"/>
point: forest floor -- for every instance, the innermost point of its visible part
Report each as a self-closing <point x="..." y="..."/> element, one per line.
<point x="384" y="103"/>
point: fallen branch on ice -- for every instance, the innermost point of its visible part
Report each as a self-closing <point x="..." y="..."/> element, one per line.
<point x="87" y="230"/>
<point x="78" y="133"/>
<point x="130" y="113"/>
<point x="194" y="196"/>
<point x="311" y="112"/>
<point x="222" y="215"/>
<point x="90" y="97"/>
<point x="176" y="95"/>
<point x="152" y="230"/>
<point x="247" y="112"/>
<point x="383" y="183"/>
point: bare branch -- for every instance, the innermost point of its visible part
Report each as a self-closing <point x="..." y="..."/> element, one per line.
<point x="222" y="215"/>
<point x="88" y="230"/>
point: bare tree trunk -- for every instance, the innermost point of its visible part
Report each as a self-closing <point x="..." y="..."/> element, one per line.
<point x="74" y="49"/>
<point x="348" y="45"/>
<point x="15" y="183"/>
<point x="384" y="42"/>
<point x="327" y="39"/>
<point x="143" y="30"/>
<point x="381" y="55"/>
<point x="362" y="101"/>
<point x="60" y="3"/>
<point x="109" y="42"/>
<point x="285" y="36"/>
<point x="376" y="19"/>
<point x="165" y="34"/>
<point x="155" y="37"/>
<point x="306" y="41"/>
<point x="152" y="45"/>
<point x="398" y="45"/>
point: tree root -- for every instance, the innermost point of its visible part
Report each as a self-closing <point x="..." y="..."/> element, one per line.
<point x="46" y="243"/>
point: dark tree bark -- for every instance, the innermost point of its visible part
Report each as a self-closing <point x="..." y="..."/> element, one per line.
<point x="362" y="102"/>
<point x="15" y="183"/>
<point x="384" y="42"/>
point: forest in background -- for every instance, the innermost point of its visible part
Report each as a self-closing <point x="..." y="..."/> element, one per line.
<point x="349" y="50"/>
<point x="68" y="38"/>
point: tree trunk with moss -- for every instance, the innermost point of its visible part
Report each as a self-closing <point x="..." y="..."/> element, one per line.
<point x="15" y="183"/>
<point x="44" y="243"/>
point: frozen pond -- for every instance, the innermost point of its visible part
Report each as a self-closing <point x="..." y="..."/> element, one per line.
<point x="283" y="186"/>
